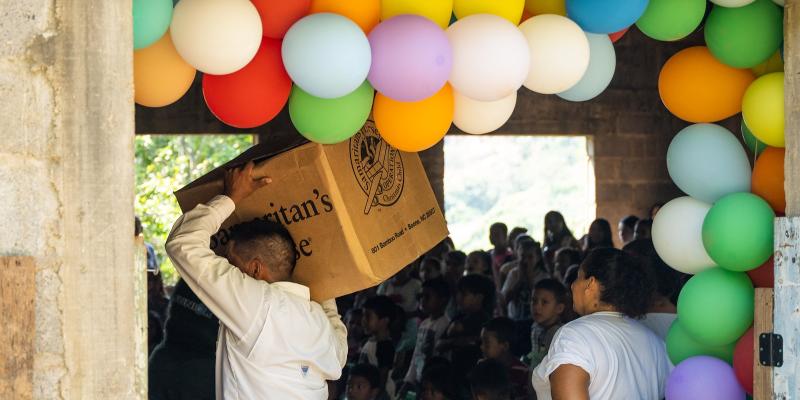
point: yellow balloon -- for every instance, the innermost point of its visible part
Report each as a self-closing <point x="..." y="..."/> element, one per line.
<point x="508" y="9"/>
<point x="438" y="11"/>
<point x="538" y="7"/>
<point x="762" y="109"/>
<point x="160" y="75"/>
<point x="773" y="64"/>
<point x="414" y="126"/>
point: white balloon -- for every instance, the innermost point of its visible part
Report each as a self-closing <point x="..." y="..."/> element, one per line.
<point x="779" y="2"/>
<point x="732" y="3"/>
<point x="678" y="235"/>
<point x="490" y="57"/>
<point x="478" y="117"/>
<point x="216" y="36"/>
<point x="559" y="53"/>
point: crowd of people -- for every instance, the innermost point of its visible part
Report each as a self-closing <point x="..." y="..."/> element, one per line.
<point x="569" y="315"/>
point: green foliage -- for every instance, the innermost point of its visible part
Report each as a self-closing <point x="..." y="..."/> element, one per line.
<point x="166" y="163"/>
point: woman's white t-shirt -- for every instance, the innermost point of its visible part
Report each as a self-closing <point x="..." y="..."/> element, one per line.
<point x="624" y="359"/>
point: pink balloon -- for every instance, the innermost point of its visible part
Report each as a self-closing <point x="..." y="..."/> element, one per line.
<point x="411" y="58"/>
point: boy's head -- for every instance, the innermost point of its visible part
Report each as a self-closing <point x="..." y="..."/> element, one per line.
<point x="498" y="235"/>
<point x="489" y="381"/>
<point x="379" y="312"/>
<point x="430" y="268"/>
<point x="353" y="321"/>
<point x="549" y="302"/>
<point x="435" y="296"/>
<point x="454" y="264"/>
<point x="263" y="250"/>
<point x="475" y="293"/>
<point x="530" y="253"/>
<point x="363" y="382"/>
<point x="565" y="257"/>
<point x="497" y="337"/>
<point x="479" y="263"/>
<point x="437" y="382"/>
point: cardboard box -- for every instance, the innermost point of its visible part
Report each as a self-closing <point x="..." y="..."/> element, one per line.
<point x="359" y="211"/>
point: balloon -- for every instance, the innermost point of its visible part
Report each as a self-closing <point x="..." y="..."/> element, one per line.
<point x="768" y="178"/>
<point x="732" y="3"/>
<point x="743" y="360"/>
<point x="695" y="87"/>
<point x="670" y="20"/>
<point x="616" y="36"/>
<point x="438" y="11"/>
<point x="763" y="276"/>
<point x="773" y="64"/>
<point x="330" y="121"/>
<point x="559" y="53"/>
<point x="707" y="162"/>
<point x="411" y="58"/>
<point x="327" y="55"/>
<point x="738" y="232"/>
<point x="680" y="346"/>
<point x="756" y="146"/>
<point x="746" y="36"/>
<point x="606" y="16"/>
<point x="762" y="109"/>
<point x="253" y="95"/>
<point x="278" y="15"/>
<point x="151" y="20"/>
<point x="779" y="2"/>
<point x="365" y="13"/>
<point x="160" y="76"/>
<point x="508" y="9"/>
<point x="479" y="117"/>
<point x="703" y="377"/>
<point x="716" y="307"/>
<point x="678" y="235"/>
<point x="216" y="36"/>
<point x="538" y="7"/>
<point x="414" y="126"/>
<point x="490" y="57"/>
<point x="602" y="63"/>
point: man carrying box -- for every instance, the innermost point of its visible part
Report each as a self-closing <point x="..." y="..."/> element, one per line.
<point x="273" y="342"/>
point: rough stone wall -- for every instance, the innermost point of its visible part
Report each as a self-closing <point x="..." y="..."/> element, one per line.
<point x="67" y="191"/>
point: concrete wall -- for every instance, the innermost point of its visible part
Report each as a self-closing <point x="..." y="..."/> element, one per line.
<point x="66" y="105"/>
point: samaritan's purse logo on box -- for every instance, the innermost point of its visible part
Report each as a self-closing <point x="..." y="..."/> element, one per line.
<point x="378" y="168"/>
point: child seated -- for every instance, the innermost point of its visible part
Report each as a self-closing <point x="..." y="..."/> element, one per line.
<point x="355" y="334"/>
<point x="497" y="338"/>
<point x="489" y="381"/>
<point x="379" y="313"/>
<point x="363" y="382"/>
<point x="547" y="306"/>
<point x="438" y="382"/>
<point x="435" y="296"/>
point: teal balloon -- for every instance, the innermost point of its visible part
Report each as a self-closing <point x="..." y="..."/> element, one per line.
<point x="716" y="306"/>
<point x="151" y="19"/>
<point x="329" y="121"/>
<point x="738" y="232"/>
<point x="681" y="345"/>
<point x="744" y="37"/>
<point x="602" y="63"/>
<point x="751" y="141"/>
<point x="670" y="20"/>
<point x="707" y="162"/>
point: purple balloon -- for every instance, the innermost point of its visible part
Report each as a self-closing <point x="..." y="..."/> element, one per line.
<point x="411" y="58"/>
<point x="706" y="378"/>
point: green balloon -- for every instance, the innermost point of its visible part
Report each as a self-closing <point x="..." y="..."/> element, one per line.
<point x="751" y="141"/>
<point x="716" y="307"/>
<point x="671" y="19"/>
<point x="151" y="19"/>
<point x="330" y="121"/>
<point x="744" y="37"/>
<point x="738" y="232"/>
<point x="680" y="346"/>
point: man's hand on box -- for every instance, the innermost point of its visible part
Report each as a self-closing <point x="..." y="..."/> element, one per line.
<point x="240" y="183"/>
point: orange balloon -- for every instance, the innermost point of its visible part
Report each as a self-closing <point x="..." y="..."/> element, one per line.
<point x="768" y="178"/>
<point x="160" y="76"/>
<point x="365" y="13"/>
<point x="695" y="87"/>
<point x="414" y="126"/>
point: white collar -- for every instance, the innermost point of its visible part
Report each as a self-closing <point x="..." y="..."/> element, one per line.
<point x="294" y="288"/>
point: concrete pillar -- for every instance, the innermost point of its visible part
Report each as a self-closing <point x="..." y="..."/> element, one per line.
<point x="66" y="167"/>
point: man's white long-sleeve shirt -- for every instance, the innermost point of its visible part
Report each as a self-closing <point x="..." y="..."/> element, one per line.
<point x="274" y="342"/>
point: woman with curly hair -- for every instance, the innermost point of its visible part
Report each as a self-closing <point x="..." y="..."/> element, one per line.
<point x="607" y="353"/>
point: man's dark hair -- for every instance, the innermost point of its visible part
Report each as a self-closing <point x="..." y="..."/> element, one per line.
<point x="489" y="380"/>
<point x="368" y="372"/>
<point x="267" y="240"/>
<point x="456" y="257"/>
<point x="382" y="306"/>
<point x="626" y="284"/>
<point x="438" y="286"/>
<point x="669" y="282"/>
<point x="503" y="329"/>
<point x="478" y="284"/>
<point x="499" y="225"/>
<point x="555" y="287"/>
<point x="630" y="221"/>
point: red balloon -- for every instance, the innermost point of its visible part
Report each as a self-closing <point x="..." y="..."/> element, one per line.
<point x="743" y="360"/>
<point x="277" y="16"/>
<point x="618" y="35"/>
<point x="764" y="276"/>
<point x="253" y="95"/>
